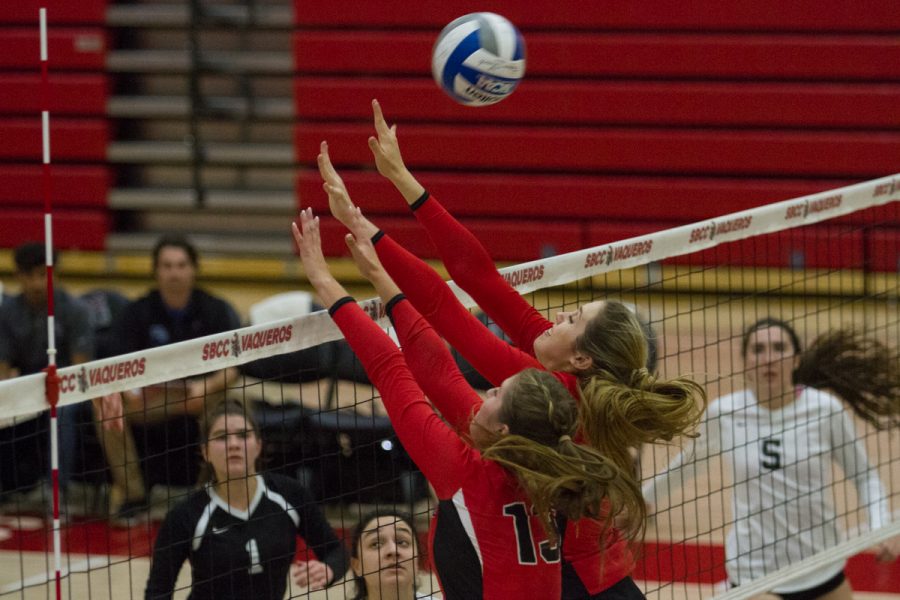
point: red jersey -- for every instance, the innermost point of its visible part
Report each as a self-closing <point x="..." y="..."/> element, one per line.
<point x="589" y="565"/>
<point x="485" y="543"/>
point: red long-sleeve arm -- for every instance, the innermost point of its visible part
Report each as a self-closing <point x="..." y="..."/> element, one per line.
<point x="438" y="451"/>
<point x="433" y="366"/>
<point x="491" y="356"/>
<point x="472" y="269"/>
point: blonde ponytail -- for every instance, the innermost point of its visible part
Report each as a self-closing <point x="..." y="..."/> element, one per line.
<point x="623" y="405"/>
<point x="617" y="416"/>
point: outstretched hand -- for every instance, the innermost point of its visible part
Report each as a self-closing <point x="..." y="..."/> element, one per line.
<point x="364" y="255"/>
<point x="384" y="146"/>
<point x="309" y="242"/>
<point x="338" y="199"/>
<point x="370" y="266"/>
<point x="342" y="208"/>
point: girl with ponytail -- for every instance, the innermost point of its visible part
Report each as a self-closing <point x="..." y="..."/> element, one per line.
<point x="499" y="475"/>
<point x="779" y="436"/>
<point x="599" y="352"/>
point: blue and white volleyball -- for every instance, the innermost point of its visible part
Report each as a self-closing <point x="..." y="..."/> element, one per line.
<point x="479" y="59"/>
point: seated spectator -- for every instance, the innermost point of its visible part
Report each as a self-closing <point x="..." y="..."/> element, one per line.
<point x="164" y="418"/>
<point x="104" y="308"/>
<point x="239" y="531"/>
<point x="23" y="351"/>
<point x="384" y="553"/>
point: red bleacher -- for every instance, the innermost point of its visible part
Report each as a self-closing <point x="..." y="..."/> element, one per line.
<point x="71" y="186"/>
<point x="692" y="56"/>
<point x="582" y="103"/>
<point x="762" y="15"/>
<point x="59" y="12"/>
<point x="67" y="50"/>
<point x="76" y="141"/>
<point x="674" y="199"/>
<point x="763" y="153"/>
<point x="79" y="131"/>
<point x="81" y="229"/>
<point x="68" y="95"/>
<point x="627" y="121"/>
<point x="815" y="247"/>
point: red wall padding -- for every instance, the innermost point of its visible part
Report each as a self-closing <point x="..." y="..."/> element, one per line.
<point x="70" y="140"/>
<point x="70" y="186"/>
<point x="618" y="150"/>
<point x="69" y="49"/>
<point x="68" y="95"/>
<point x="82" y="229"/>
<point x="692" y="56"/>
<point x="884" y="249"/>
<point x="767" y="15"/>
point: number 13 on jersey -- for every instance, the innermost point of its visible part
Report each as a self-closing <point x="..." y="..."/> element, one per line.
<point x="525" y="539"/>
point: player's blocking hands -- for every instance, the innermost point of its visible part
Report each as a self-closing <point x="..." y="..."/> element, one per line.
<point x="309" y="243"/>
<point x="339" y="202"/>
<point x="384" y="146"/>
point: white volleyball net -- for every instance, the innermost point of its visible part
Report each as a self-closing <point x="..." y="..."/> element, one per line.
<point x="822" y="261"/>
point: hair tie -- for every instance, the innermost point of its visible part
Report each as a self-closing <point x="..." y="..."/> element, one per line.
<point x="564" y="438"/>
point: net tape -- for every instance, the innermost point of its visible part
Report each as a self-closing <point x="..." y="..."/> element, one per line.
<point x="25" y="395"/>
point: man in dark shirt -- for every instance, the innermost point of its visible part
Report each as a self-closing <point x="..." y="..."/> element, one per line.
<point x="177" y="310"/>
<point x="23" y="351"/>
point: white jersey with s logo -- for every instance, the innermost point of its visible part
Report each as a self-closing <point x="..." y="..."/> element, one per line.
<point x="780" y="463"/>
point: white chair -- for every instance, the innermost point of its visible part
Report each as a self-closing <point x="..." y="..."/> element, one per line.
<point x="281" y="306"/>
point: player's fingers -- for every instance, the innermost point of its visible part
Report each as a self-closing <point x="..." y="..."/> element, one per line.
<point x="380" y="124"/>
<point x="375" y="147"/>
<point x="326" y="167"/>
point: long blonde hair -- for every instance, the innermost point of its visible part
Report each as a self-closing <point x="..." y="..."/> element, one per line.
<point x="624" y="405"/>
<point x="556" y="473"/>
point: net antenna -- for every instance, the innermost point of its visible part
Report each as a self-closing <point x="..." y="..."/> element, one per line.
<point x="52" y="379"/>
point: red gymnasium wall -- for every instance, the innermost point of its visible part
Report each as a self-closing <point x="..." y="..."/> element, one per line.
<point x="629" y="119"/>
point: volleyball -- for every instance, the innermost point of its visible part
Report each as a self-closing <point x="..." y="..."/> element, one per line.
<point x="479" y="59"/>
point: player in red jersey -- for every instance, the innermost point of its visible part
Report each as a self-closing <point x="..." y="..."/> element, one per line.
<point x="493" y="535"/>
<point x="598" y="352"/>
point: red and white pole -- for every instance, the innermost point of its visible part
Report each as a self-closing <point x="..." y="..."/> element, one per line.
<point x="52" y="380"/>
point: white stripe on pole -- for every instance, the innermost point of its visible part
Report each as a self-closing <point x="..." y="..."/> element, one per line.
<point x="43" y="13"/>
<point x="45" y="135"/>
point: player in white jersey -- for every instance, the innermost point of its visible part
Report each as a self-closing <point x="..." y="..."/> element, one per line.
<point x="779" y="436"/>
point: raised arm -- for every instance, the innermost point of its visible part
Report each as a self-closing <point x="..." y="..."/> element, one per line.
<point x="429" y="294"/>
<point x="425" y="352"/>
<point x="437" y="450"/>
<point x="468" y="262"/>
